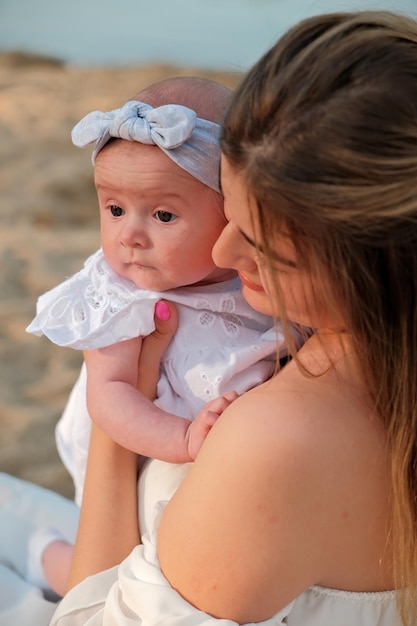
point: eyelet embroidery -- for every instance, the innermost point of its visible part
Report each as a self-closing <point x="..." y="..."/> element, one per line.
<point x="207" y="318"/>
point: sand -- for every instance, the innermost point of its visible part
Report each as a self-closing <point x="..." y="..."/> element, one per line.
<point x="48" y="226"/>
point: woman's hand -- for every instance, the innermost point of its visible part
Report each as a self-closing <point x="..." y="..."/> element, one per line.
<point x="154" y="346"/>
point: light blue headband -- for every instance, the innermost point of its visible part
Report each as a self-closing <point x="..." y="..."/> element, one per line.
<point x="191" y="142"/>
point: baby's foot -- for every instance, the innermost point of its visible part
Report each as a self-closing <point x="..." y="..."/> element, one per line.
<point x="38" y="543"/>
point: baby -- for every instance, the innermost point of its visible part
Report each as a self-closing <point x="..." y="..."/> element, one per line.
<point x="157" y="179"/>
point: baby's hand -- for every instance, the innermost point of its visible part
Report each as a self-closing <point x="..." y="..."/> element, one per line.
<point x="206" y="418"/>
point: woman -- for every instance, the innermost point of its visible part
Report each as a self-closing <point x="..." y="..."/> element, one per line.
<point x="301" y="506"/>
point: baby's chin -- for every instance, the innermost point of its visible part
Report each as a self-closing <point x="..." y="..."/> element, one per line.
<point x="154" y="279"/>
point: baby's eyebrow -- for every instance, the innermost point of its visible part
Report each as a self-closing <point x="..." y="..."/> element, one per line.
<point x="102" y="187"/>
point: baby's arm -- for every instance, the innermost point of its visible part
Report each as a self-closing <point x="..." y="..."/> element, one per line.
<point x="125" y="414"/>
<point x="133" y="421"/>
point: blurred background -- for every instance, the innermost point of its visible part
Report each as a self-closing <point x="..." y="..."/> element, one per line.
<point x="58" y="61"/>
<point x="213" y="34"/>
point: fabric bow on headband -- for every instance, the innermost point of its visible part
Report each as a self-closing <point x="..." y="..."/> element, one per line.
<point x="191" y="142"/>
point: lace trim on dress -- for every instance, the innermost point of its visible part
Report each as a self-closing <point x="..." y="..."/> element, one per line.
<point x="355" y="596"/>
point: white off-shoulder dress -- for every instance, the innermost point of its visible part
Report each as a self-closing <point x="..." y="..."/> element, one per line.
<point x="221" y="344"/>
<point x="137" y="592"/>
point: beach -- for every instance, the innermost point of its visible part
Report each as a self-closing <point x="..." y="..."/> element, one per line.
<point x="48" y="226"/>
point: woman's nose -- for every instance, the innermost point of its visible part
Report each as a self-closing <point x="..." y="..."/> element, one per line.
<point x="221" y="252"/>
<point x="230" y="250"/>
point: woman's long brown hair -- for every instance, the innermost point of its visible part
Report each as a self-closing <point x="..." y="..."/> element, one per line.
<point x="324" y="129"/>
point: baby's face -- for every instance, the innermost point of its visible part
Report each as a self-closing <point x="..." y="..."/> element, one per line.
<point x="158" y="223"/>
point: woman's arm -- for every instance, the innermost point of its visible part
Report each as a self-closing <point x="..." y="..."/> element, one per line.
<point x="108" y="528"/>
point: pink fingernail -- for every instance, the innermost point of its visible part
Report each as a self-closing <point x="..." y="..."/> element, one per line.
<point x="162" y="311"/>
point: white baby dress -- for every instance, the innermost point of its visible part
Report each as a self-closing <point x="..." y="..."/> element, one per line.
<point x="136" y="592"/>
<point x="221" y="343"/>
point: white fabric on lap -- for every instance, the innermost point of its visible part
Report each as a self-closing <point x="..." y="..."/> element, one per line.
<point x="21" y="604"/>
<point x="24" y="508"/>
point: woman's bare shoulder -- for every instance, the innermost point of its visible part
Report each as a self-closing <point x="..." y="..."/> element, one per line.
<point x="255" y="520"/>
<point x="296" y="413"/>
<point x="242" y="536"/>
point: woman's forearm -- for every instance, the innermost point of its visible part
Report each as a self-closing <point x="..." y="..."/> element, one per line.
<point x="108" y="528"/>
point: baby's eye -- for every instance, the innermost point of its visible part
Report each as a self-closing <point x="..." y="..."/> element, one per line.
<point x="116" y="211"/>
<point x="165" y="216"/>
